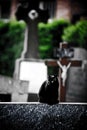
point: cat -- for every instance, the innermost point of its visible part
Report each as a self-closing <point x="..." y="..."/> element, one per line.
<point x="48" y="92"/>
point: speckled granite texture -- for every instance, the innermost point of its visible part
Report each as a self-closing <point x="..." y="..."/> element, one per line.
<point x="43" y="117"/>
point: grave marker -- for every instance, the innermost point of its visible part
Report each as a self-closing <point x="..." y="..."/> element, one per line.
<point x="63" y="61"/>
<point x="35" y="73"/>
<point x="32" y="12"/>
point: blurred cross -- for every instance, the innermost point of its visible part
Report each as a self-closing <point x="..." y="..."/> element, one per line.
<point x="64" y="64"/>
<point x="31" y="12"/>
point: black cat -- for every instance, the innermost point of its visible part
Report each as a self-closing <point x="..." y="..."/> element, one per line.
<point x="48" y="92"/>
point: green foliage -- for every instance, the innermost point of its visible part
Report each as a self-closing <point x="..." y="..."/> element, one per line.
<point x="57" y="28"/>
<point x="76" y="34"/>
<point x="45" y="40"/>
<point x="11" y="45"/>
<point x="50" y="36"/>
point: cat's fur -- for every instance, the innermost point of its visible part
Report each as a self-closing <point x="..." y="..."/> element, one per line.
<point x="48" y="92"/>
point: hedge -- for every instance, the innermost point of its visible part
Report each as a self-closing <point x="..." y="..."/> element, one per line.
<point x="76" y="34"/>
<point x="11" y="45"/>
<point x="50" y="36"/>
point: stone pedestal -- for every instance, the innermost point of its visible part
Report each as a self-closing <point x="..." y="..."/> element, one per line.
<point x="16" y="88"/>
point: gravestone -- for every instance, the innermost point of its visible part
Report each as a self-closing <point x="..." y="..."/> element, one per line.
<point x="36" y="74"/>
<point x="12" y="90"/>
<point x="64" y="62"/>
<point x="76" y="84"/>
<point x="43" y="117"/>
<point x="77" y="78"/>
<point x="32" y="12"/>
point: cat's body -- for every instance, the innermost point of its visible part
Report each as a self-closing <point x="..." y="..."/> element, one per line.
<point x="48" y="92"/>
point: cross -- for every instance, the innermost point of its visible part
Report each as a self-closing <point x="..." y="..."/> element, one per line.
<point x="64" y="61"/>
<point x="32" y="13"/>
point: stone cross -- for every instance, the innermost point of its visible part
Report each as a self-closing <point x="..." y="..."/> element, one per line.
<point x="32" y="13"/>
<point x="64" y="64"/>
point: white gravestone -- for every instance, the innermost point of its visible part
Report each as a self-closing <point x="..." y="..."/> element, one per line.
<point x="35" y="73"/>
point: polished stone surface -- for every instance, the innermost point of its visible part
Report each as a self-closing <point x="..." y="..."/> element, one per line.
<point x="33" y="116"/>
